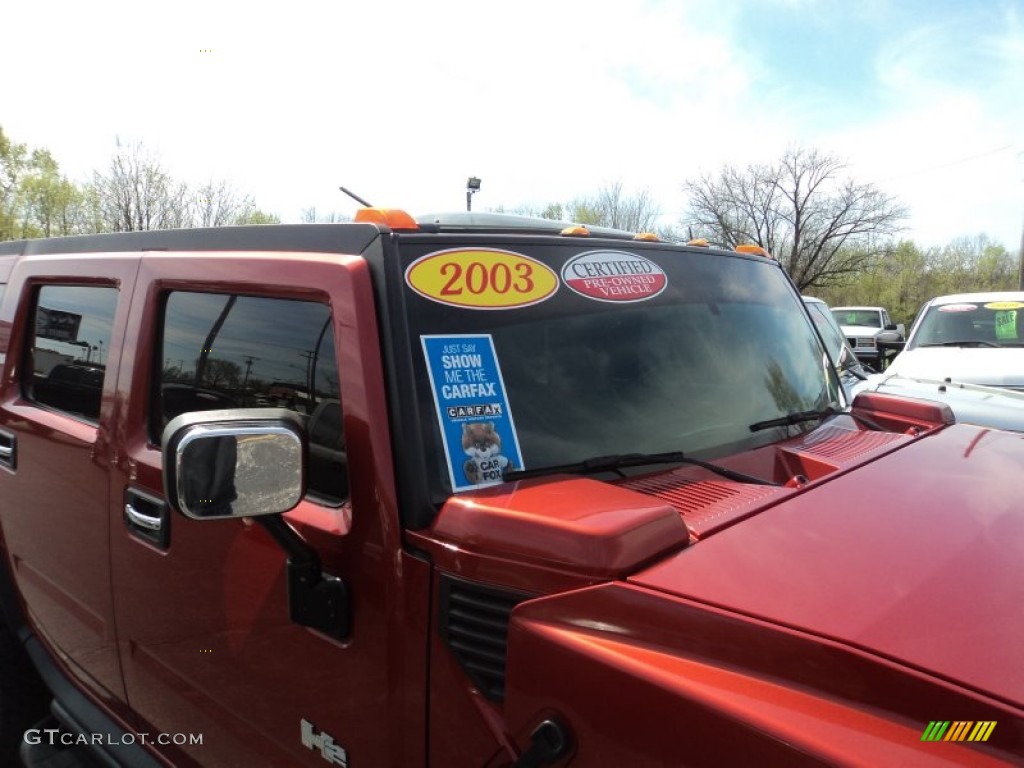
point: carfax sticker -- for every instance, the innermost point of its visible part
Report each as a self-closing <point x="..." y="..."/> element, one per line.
<point x="958" y="307"/>
<point x="614" y="276"/>
<point x="481" y="278"/>
<point x="480" y="440"/>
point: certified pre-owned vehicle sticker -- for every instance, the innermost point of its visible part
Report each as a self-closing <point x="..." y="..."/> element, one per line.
<point x="614" y="276"/>
<point x="481" y="278"/>
<point x="480" y="441"/>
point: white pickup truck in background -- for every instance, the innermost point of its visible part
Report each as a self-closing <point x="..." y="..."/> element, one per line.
<point x="864" y="327"/>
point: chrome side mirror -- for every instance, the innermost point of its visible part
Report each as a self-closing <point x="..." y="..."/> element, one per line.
<point x="234" y="463"/>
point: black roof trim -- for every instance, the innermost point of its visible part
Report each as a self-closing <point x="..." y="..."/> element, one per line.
<point x="314" y="238"/>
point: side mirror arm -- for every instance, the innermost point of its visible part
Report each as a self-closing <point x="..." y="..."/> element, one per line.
<point x="315" y="599"/>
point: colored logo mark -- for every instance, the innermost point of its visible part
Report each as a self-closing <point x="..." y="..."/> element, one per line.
<point x="958" y="730"/>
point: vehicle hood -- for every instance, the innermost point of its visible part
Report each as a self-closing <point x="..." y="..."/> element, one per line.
<point x="987" y="406"/>
<point x="916" y="557"/>
<point x="976" y="365"/>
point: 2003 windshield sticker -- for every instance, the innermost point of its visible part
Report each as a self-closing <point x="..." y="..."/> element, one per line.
<point x="480" y="440"/>
<point x="481" y="278"/>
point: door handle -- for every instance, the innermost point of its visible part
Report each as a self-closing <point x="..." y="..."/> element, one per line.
<point x="8" y="454"/>
<point x="147" y="517"/>
<point x="143" y="521"/>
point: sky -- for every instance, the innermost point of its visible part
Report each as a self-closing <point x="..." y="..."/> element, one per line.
<point x="545" y="102"/>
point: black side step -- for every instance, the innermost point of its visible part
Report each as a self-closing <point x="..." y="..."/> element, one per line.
<point x="78" y="715"/>
<point x="43" y="749"/>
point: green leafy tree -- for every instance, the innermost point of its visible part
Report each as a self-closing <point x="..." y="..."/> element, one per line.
<point x="907" y="277"/>
<point x="51" y="204"/>
<point x="898" y="281"/>
<point x="12" y="162"/>
<point x="256" y="216"/>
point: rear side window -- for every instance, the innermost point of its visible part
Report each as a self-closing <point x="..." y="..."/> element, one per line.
<point x="69" y="347"/>
<point x="233" y="351"/>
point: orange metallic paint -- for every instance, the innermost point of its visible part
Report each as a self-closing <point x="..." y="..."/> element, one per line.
<point x="213" y="650"/>
<point x="618" y="663"/>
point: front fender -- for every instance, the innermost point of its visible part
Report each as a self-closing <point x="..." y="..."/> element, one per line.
<point x="644" y="679"/>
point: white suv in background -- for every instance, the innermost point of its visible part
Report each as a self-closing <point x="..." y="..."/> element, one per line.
<point x="976" y="338"/>
<point x="971" y="403"/>
<point x="864" y="327"/>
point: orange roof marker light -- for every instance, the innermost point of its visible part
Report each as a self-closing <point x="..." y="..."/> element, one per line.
<point x="576" y="230"/>
<point x="394" y="218"/>
<point x="699" y="242"/>
<point x="752" y="248"/>
<point x="648" y="237"/>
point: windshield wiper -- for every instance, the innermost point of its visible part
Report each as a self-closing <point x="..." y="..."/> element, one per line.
<point x="964" y="343"/>
<point x="855" y="370"/>
<point x="791" y="419"/>
<point x="617" y="462"/>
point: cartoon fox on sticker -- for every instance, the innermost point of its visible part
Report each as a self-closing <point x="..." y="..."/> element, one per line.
<point x="482" y="444"/>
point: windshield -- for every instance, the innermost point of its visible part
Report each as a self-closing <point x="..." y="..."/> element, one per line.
<point x="870" y="318"/>
<point x="989" y="324"/>
<point x="703" y="347"/>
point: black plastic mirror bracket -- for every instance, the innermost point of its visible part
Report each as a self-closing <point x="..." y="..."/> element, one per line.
<point x="315" y="599"/>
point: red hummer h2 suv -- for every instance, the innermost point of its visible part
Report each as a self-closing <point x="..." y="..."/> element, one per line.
<point x="477" y="491"/>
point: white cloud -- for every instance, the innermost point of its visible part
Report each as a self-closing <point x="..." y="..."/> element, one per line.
<point x="543" y="101"/>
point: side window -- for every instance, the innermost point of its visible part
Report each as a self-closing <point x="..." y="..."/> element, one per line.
<point x="69" y="347"/>
<point x="232" y="351"/>
<point x="828" y="331"/>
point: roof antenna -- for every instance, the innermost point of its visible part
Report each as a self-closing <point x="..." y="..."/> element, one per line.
<point x="356" y="197"/>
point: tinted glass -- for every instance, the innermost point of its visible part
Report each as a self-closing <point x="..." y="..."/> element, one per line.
<point x="866" y="317"/>
<point x="231" y="351"/>
<point x="724" y="344"/>
<point x="990" y="324"/>
<point x="828" y="329"/>
<point x="70" y="343"/>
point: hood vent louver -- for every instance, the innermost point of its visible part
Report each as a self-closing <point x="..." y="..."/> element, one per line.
<point x="707" y="506"/>
<point x="844" y="445"/>
<point x="473" y="621"/>
<point x="704" y="504"/>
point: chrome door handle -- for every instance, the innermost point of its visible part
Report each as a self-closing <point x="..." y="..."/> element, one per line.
<point x="8" y="449"/>
<point x="148" y="522"/>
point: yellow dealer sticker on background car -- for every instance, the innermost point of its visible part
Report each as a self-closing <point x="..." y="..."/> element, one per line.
<point x="481" y="278"/>
<point x="1005" y="305"/>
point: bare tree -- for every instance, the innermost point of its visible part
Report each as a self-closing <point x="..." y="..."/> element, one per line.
<point x="218" y="203"/>
<point x="611" y="207"/>
<point x="822" y="227"/>
<point x="310" y="216"/>
<point x="137" y="194"/>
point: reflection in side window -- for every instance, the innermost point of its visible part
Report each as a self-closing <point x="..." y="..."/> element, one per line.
<point x="231" y="351"/>
<point x="70" y="342"/>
